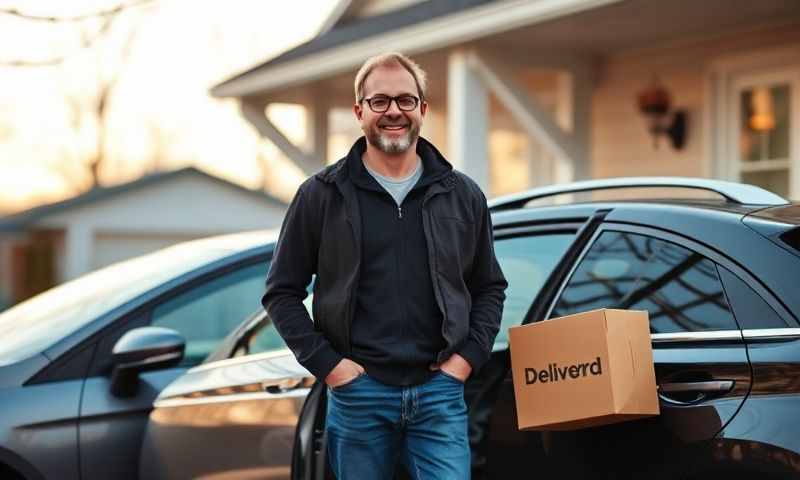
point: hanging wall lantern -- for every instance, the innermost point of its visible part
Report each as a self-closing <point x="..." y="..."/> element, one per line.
<point x="656" y="102"/>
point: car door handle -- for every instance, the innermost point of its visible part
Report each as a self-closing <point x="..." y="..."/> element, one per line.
<point x="283" y="386"/>
<point x="714" y="386"/>
<point x="690" y="393"/>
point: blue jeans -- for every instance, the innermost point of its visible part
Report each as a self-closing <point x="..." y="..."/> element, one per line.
<point x="371" y="426"/>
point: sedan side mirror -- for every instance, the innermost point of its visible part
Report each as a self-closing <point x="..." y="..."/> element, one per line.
<point x="140" y="350"/>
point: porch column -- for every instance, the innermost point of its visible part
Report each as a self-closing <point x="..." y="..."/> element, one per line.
<point x="317" y="129"/>
<point x="467" y="121"/>
<point x="78" y="251"/>
<point x="6" y="274"/>
<point x="575" y="112"/>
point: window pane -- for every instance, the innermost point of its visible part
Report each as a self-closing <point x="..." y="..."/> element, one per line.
<point x="679" y="288"/>
<point x="750" y="309"/>
<point x="792" y="238"/>
<point x="526" y="263"/>
<point x="206" y="314"/>
<point x="267" y="339"/>
<point x="607" y="274"/>
<point x="765" y="123"/>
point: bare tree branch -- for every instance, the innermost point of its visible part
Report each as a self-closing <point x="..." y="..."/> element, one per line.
<point x="77" y="18"/>
<point x="86" y="40"/>
<point x="85" y="43"/>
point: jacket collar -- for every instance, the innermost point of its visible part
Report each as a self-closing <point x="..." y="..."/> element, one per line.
<point x="437" y="170"/>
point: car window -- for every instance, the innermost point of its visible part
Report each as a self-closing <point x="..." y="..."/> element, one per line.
<point x="37" y="323"/>
<point x="205" y="314"/>
<point x="792" y="238"/>
<point x="679" y="288"/>
<point x="526" y="263"/>
<point x="267" y="338"/>
<point x="752" y="311"/>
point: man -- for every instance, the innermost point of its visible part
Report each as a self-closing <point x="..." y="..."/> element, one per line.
<point x="408" y="292"/>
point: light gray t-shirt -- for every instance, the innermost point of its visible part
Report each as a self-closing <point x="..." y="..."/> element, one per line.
<point x="398" y="188"/>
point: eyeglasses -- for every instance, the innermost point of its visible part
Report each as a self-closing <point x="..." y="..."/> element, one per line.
<point x="381" y="103"/>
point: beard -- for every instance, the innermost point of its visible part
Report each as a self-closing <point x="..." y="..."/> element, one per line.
<point x="393" y="146"/>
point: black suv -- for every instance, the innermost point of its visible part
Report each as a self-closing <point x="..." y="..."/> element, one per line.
<point x="719" y="276"/>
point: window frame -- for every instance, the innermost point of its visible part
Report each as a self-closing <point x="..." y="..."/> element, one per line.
<point x="692" y="245"/>
<point x="142" y="316"/>
<point x="199" y="282"/>
<point x="531" y="229"/>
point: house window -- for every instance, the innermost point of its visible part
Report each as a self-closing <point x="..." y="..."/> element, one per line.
<point x="763" y="111"/>
<point x="765" y="146"/>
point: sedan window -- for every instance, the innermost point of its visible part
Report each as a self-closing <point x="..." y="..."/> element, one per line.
<point x="266" y="338"/>
<point x="205" y="314"/>
<point x="752" y="311"/>
<point x="526" y="263"/>
<point x="679" y="288"/>
<point x="37" y="323"/>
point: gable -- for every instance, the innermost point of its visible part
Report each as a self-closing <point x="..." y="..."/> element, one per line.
<point x="189" y="203"/>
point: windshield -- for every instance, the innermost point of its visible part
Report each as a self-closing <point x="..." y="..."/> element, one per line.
<point x="35" y="324"/>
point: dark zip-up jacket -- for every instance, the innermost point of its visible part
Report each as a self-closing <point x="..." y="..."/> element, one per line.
<point x="396" y="332"/>
<point x="321" y="234"/>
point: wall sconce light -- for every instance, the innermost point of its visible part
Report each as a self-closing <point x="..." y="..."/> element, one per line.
<point x="655" y="102"/>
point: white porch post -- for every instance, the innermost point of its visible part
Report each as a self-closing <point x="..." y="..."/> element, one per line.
<point x="78" y="251"/>
<point x="468" y="121"/>
<point x="6" y="275"/>
<point x="579" y="88"/>
<point x="317" y="129"/>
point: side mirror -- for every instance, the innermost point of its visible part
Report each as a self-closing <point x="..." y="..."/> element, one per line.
<point x="140" y="350"/>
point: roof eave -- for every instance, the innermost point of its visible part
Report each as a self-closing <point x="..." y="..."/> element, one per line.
<point x="440" y="32"/>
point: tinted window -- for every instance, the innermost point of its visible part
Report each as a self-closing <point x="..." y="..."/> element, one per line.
<point x="792" y="238"/>
<point x="526" y="263"/>
<point x="267" y="338"/>
<point x="679" y="288"/>
<point x="39" y="322"/>
<point x="206" y="314"/>
<point x="750" y="309"/>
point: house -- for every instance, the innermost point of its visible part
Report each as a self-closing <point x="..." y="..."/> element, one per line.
<point x="535" y="92"/>
<point x="44" y="246"/>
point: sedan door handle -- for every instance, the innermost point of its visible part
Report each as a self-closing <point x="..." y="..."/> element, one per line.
<point x="283" y="386"/>
<point x="715" y="386"/>
<point x="690" y="393"/>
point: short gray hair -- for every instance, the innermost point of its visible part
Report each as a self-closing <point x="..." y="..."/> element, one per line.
<point x="390" y="59"/>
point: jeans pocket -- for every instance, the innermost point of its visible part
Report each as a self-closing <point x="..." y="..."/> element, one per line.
<point x="344" y="386"/>
<point x="451" y="377"/>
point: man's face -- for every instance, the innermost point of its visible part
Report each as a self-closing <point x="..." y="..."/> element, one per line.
<point x="393" y="131"/>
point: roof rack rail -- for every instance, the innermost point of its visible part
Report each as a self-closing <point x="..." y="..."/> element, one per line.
<point x="733" y="192"/>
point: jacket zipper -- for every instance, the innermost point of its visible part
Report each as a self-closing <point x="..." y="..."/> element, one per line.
<point x="399" y="212"/>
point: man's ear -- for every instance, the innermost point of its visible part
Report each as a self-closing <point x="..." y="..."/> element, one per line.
<point x="423" y="108"/>
<point x="358" y="111"/>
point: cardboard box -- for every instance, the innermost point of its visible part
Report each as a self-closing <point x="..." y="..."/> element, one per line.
<point x="583" y="370"/>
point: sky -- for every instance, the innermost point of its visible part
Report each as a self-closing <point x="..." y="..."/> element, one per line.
<point x="160" y="115"/>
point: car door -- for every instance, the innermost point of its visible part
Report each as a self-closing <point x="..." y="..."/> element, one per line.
<point x="700" y="359"/>
<point x="203" y="311"/>
<point x="528" y="253"/>
<point x="233" y="417"/>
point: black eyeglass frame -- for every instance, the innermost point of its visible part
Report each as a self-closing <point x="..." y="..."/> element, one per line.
<point x="396" y="99"/>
